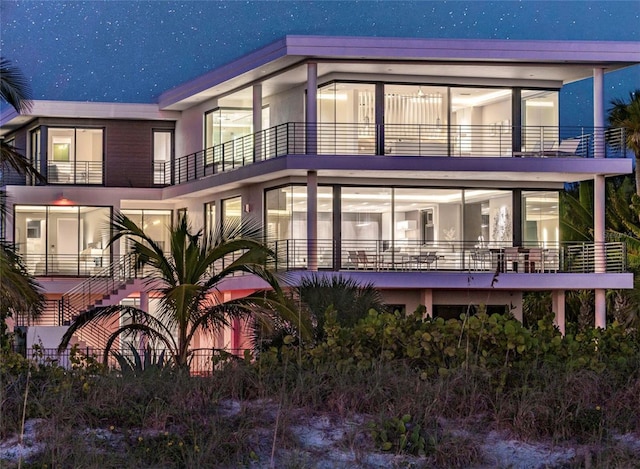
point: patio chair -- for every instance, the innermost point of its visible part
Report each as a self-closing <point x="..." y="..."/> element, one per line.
<point x="352" y="259"/>
<point x="479" y="258"/>
<point x="511" y="257"/>
<point x="365" y="260"/>
<point x="567" y="147"/>
<point x="533" y="262"/>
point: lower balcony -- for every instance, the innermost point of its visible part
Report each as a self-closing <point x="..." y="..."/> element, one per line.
<point x="383" y="255"/>
<point x="84" y="264"/>
<point x="455" y="256"/>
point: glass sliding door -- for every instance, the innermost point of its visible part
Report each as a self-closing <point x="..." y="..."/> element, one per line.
<point x="346" y="119"/>
<point x="481" y="122"/>
<point x="155" y="224"/>
<point x="416" y="120"/>
<point x="286" y="222"/>
<point x="367" y="225"/>
<point x="540" y="121"/>
<point x="63" y="240"/>
<point x="75" y="156"/>
<point x="428" y="227"/>
<point x="162" y="156"/>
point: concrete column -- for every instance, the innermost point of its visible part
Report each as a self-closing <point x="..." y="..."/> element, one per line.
<point x="426" y="299"/>
<point x="558" y="307"/>
<point x="599" y="252"/>
<point x="312" y="221"/>
<point x="601" y="309"/>
<point x="598" y="113"/>
<point x="257" y="123"/>
<point x="144" y="301"/>
<point x="144" y="306"/>
<point x="311" y="115"/>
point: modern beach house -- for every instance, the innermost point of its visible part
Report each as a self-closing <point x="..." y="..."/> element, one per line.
<point x="430" y="167"/>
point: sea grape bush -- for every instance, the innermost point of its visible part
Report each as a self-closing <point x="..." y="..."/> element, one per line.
<point x="481" y="341"/>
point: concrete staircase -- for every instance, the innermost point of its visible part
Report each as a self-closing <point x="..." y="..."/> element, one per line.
<point x="108" y="287"/>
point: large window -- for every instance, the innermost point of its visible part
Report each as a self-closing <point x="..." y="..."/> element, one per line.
<point x="155" y="224"/>
<point x="63" y="240"/>
<point x="540" y="120"/>
<point x="286" y="222"/>
<point x="75" y="156"/>
<point x="346" y="116"/>
<point x="408" y="226"/>
<point x="540" y="218"/>
<point x="481" y="122"/>
<point x="415" y="119"/>
<point x="232" y="211"/>
<point x="227" y="124"/>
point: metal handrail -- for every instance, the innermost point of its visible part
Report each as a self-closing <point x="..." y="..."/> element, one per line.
<point x="387" y="255"/>
<point x="75" y="172"/>
<point x="298" y="138"/>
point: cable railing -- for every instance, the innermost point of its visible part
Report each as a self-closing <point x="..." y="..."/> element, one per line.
<point x="427" y="140"/>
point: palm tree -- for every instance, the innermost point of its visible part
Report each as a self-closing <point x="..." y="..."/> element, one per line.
<point x="19" y="292"/>
<point x="316" y="296"/>
<point x="188" y="278"/>
<point x="15" y="90"/>
<point x="627" y="116"/>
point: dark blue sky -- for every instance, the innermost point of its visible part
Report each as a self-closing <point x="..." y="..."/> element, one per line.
<point x="131" y="51"/>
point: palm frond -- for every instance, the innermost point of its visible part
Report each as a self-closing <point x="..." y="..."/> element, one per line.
<point x="19" y="290"/>
<point x="14" y="87"/>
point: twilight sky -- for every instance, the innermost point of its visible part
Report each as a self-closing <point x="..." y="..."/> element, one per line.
<point x="131" y="51"/>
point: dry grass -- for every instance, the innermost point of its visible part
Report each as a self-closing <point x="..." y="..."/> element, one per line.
<point x="172" y="420"/>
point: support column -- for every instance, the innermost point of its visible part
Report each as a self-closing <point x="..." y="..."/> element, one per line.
<point x="312" y="221"/>
<point x="426" y="298"/>
<point x="601" y="309"/>
<point x="257" y="123"/>
<point x="144" y="306"/>
<point x="311" y="115"/>
<point x="558" y="307"/>
<point x="599" y="194"/>
<point x="598" y="113"/>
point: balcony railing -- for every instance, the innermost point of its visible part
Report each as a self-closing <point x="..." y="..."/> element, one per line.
<point x="383" y="255"/>
<point x="75" y="172"/>
<point x="65" y="264"/>
<point x="295" y="138"/>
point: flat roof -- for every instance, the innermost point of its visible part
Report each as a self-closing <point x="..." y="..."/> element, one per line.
<point x="557" y="62"/>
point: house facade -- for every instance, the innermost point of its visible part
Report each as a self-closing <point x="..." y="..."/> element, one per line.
<point x="431" y="168"/>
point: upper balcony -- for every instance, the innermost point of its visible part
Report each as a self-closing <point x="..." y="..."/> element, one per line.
<point x="394" y="140"/>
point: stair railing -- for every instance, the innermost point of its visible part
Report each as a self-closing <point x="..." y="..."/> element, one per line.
<point x="84" y="295"/>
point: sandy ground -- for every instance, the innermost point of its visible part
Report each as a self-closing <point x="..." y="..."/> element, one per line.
<point x="329" y="442"/>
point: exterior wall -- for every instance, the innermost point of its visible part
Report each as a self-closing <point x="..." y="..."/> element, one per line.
<point x="128" y="147"/>
<point x="286" y="107"/>
<point x="190" y="128"/>
<point x="129" y="152"/>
